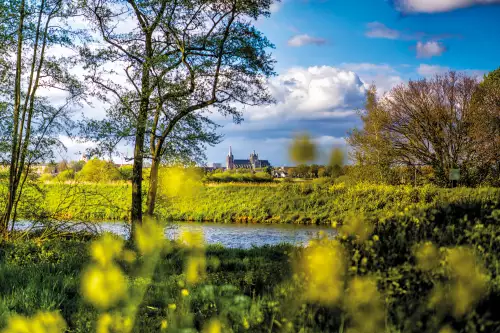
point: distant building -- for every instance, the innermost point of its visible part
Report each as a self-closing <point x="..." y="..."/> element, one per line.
<point x="217" y="165"/>
<point x="252" y="163"/>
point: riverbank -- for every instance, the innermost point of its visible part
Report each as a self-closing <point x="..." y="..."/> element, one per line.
<point x="238" y="203"/>
<point x="406" y="257"/>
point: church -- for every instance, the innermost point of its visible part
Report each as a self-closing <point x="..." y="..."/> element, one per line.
<point x="252" y="163"/>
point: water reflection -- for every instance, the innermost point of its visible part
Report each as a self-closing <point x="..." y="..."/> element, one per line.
<point x="228" y="235"/>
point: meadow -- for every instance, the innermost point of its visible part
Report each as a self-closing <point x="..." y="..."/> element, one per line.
<point x="432" y="271"/>
<point x="318" y="202"/>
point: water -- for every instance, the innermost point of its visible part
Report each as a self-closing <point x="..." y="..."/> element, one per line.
<point x="228" y="235"/>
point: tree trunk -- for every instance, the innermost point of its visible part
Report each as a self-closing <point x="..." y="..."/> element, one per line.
<point x="136" y="209"/>
<point x="153" y="188"/>
<point x="4" y="231"/>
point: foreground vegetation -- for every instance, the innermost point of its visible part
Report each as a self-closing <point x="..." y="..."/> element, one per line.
<point x="319" y="202"/>
<point x="431" y="271"/>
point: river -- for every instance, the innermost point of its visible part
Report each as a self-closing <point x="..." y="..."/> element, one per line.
<point x="228" y="235"/>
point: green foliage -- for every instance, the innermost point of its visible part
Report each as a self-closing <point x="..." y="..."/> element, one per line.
<point x="126" y="172"/>
<point x="256" y="289"/>
<point x="239" y="177"/>
<point x="68" y="174"/>
<point x="99" y="171"/>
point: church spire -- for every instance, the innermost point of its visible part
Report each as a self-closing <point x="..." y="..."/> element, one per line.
<point x="230" y="151"/>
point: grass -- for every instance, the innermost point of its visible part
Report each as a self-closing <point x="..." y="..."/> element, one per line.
<point x="261" y="288"/>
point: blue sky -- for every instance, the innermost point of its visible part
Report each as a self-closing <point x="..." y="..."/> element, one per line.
<point x="332" y="49"/>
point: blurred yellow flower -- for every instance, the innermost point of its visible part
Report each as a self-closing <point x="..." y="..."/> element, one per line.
<point x="323" y="265"/>
<point x="129" y="256"/>
<point x="184" y="292"/>
<point x="302" y="149"/>
<point x="357" y="226"/>
<point x="106" y="249"/>
<point x="214" y="326"/>
<point x="192" y="239"/>
<point x="116" y="322"/>
<point x="195" y="269"/>
<point x="364" y="305"/>
<point x="149" y="237"/>
<point x="104" y="287"/>
<point x="427" y="256"/>
<point x="180" y="181"/>
<point x="164" y="325"/>
<point x="469" y="280"/>
<point x="172" y="306"/>
<point x="42" y="322"/>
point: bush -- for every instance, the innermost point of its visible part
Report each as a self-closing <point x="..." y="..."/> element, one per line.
<point x="68" y="174"/>
<point x="99" y="171"/>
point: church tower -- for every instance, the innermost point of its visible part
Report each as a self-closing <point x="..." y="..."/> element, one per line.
<point x="230" y="160"/>
<point x="254" y="160"/>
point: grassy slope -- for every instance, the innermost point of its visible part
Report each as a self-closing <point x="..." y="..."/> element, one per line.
<point x="287" y="203"/>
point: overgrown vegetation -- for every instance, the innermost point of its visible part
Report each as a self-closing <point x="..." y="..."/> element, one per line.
<point x="432" y="270"/>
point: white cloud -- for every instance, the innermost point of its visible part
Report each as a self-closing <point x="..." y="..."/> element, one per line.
<point x="436" y="6"/>
<point x="304" y="39"/>
<point x="431" y="70"/>
<point x="384" y="76"/>
<point x="380" y="30"/>
<point x="430" y="49"/>
<point x="312" y="93"/>
<point x="276" y="6"/>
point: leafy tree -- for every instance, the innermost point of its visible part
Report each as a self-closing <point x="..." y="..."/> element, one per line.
<point x="30" y="125"/>
<point x="99" y="171"/>
<point x="433" y="122"/>
<point x="178" y="58"/>
<point x="77" y="166"/>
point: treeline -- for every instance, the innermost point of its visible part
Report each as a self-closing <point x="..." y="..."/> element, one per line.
<point x="448" y="123"/>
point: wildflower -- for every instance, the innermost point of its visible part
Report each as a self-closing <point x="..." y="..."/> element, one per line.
<point x="302" y="149"/>
<point x="116" y="322"/>
<point x="469" y="280"/>
<point x="149" y="237"/>
<point x="214" y="326"/>
<point x="363" y="303"/>
<point x="172" y="306"/>
<point x="427" y="256"/>
<point x="358" y="227"/>
<point x="323" y="266"/>
<point x="180" y="181"/>
<point x="192" y="239"/>
<point x="246" y="325"/>
<point x="42" y="322"/>
<point x="184" y="292"/>
<point x="375" y="238"/>
<point x="106" y="249"/>
<point x="164" y="325"/>
<point x="446" y="329"/>
<point x="104" y="323"/>
<point x="104" y="287"/>
<point x="195" y="269"/>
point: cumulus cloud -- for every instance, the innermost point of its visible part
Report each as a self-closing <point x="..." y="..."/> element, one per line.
<point x="436" y="6"/>
<point x="313" y="92"/>
<point x="304" y="39"/>
<point x="384" y="76"/>
<point x="430" y="49"/>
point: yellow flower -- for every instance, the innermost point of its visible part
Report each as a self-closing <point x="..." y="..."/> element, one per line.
<point x="42" y="322"/>
<point x="129" y="256"/>
<point x="104" y="287"/>
<point x="375" y="238"/>
<point x="184" y="292"/>
<point x="427" y="256"/>
<point x="195" y="269"/>
<point x="104" y="323"/>
<point x="106" y="249"/>
<point x="164" y="325"/>
<point x="302" y="149"/>
<point x="192" y="239"/>
<point x="246" y="325"/>
<point x="446" y="329"/>
<point x="180" y="181"/>
<point x="172" y="306"/>
<point x="323" y="265"/>
<point x="116" y="322"/>
<point x="358" y="227"/>
<point x="214" y="326"/>
<point x="149" y="237"/>
<point x="363" y="303"/>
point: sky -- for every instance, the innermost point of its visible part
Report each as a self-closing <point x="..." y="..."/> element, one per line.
<point x="329" y="51"/>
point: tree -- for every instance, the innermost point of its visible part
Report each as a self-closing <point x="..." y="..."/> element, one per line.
<point x="178" y="58"/>
<point x="370" y="145"/>
<point x="431" y="122"/>
<point x="99" y="171"/>
<point x="30" y="125"/>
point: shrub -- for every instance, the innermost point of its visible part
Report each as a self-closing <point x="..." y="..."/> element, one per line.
<point x="99" y="171"/>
